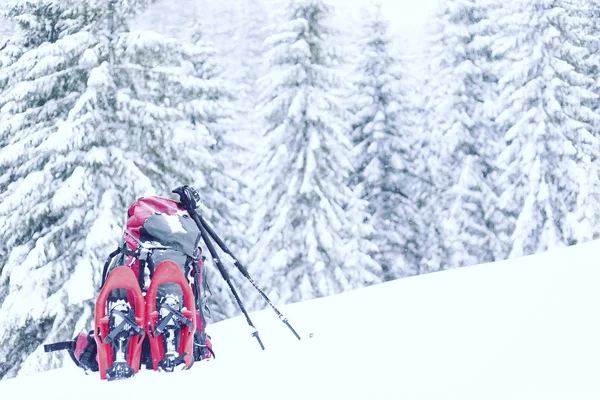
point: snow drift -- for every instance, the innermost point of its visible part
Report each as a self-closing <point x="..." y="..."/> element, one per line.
<point x="527" y="328"/>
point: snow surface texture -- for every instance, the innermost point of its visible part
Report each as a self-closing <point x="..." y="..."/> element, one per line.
<point x="526" y="328"/>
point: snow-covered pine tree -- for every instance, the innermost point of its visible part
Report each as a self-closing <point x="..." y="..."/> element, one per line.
<point x="250" y="29"/>
<point x="6" y="28"/>
<point x="465" y="221"/>
<point x="588" y="207"/>
<point x="550" y="152"/>
<point x="309" y="226"/>
<point x="93" y="116"/>
<point x="211" y="25"/>
<point x="241" y="44"/>
<point x="39" y="23"/>
<point x="384" y="175"/>
<point x="222" y="184"/>
<point x="39" y="89"/>
<point x="243" y="49"/>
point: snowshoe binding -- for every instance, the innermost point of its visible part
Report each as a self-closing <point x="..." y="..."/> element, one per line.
<point x="122" y="327"/>
<point x="171" y="318"/>
<point x="169" y="327"/>
<point x="119" y="328"/>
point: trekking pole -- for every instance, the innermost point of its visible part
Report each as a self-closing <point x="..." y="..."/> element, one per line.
<point x="189" y="198"/>
<point x="244" y="272"/>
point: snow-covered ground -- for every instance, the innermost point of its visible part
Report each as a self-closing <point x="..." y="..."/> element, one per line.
<point x="521" y="329"/>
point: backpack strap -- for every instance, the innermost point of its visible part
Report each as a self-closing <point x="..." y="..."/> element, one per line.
<point x="121" y="250"/>
<point x="107" y="264"/>
<point x="144" y="256"/>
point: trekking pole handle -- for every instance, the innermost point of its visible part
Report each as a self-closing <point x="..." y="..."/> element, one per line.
<point x="188" y="196"/>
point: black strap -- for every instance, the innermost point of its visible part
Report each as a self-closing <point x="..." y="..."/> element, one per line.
<point x="200" y="346"/>
<point x="168" y="364"/>
<point x="150" y="265"/>
<point x="126" y="320"/>
<point x="141" y="273"/>
<point x="70" y="345"/>
<point x="75" y="360"/>
<point x="88" y="357"/>
<point x="198" y="290"/>
<point x="204" y="279"/>
<point x="107" y="264"/>
<point x="211" y="351"/>
<point x="123" y="250"/>
<point x="173" y="313"/>
<point x="205" y="347"/>
<point x="195" y="271"/>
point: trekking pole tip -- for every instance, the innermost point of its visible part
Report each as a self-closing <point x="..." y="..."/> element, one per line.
<point x="285" y="321"/>
<point x="255" y="334"/>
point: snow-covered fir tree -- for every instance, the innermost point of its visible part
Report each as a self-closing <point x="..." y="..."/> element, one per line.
<point x="589" y="36"/>
<point x="93" y="117"/>
<point x="384" y="174"/>
<point x="309" y="226"/>
<point x="464" y="218"/>
<point x="221" y="184"/>
<point x="210" y="25"/>
<point x="250" y="29"/>
<point x="551" y="153"/>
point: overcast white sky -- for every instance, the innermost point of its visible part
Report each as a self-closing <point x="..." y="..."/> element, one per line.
<point x="407" y="17"/>
<point x="409" y="14"/>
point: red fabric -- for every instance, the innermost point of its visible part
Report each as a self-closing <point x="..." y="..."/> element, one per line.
<point x="80" y="344"/>
<point x="139" y="212"/>
<point x="198" y="320"/>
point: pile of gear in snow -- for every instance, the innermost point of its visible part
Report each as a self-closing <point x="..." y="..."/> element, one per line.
<point x="151" y="310"/>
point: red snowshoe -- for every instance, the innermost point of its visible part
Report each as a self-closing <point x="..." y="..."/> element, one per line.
<point x="119" y="325"/>
<point x="171" y="320"/>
